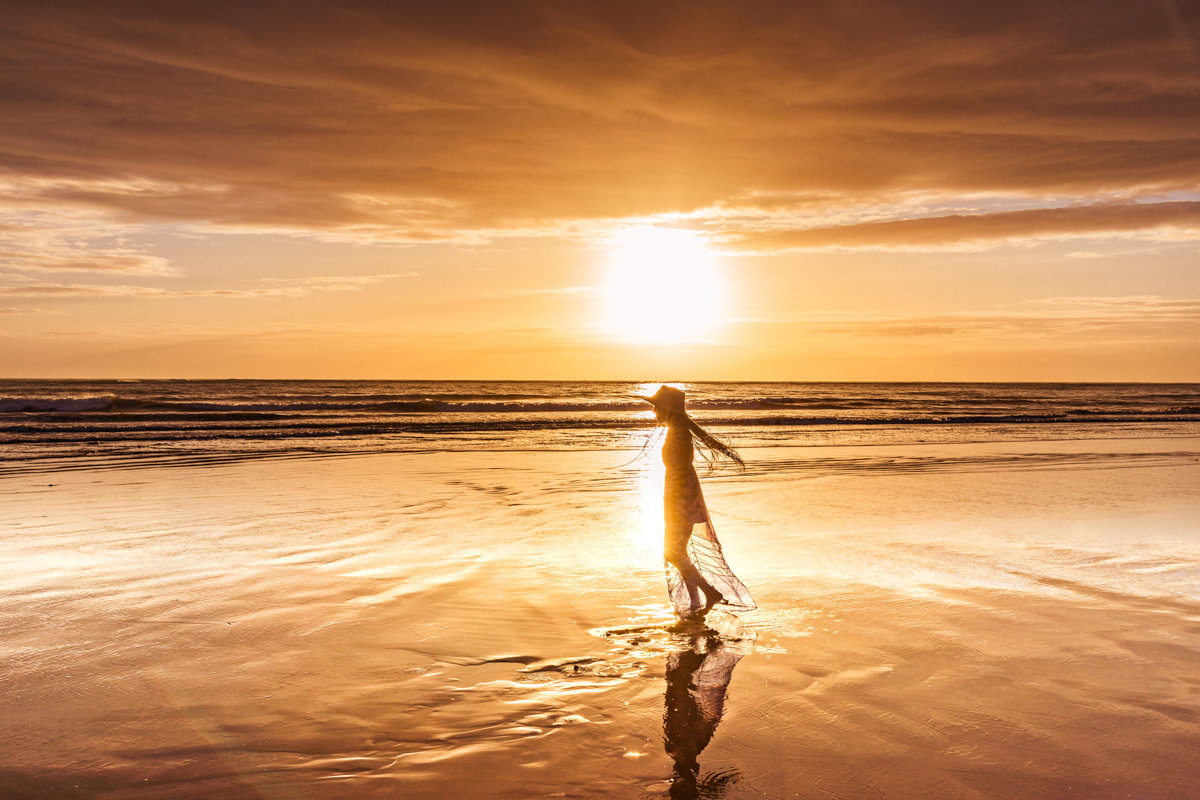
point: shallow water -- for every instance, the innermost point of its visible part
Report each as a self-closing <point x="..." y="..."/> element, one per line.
<point x="46" y="424"/>
<point x="946" y="620"/>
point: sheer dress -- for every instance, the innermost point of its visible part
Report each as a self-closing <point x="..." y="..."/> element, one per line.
<point x="685" y="514"/>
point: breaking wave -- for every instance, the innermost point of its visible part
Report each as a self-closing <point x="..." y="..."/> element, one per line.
<point x="16" y="405"/>
<point x="888" y="411"/>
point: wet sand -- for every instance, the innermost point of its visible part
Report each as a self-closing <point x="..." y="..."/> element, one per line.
<point x="991" y="620"/>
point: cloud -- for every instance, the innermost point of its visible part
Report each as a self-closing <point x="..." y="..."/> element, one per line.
<point x="279" y="287"/>
<point x="1139" y="302"/>
<point x="350" y="279"/>
<point x="337" y="283"/>
<point x="15" y="311"/>
<point x="1065" y="317"/>
<point x="298" y="287"/>
<point x="463" y="121"/>
<point x="1169" y="219"/>
<point x="146" y="292"/>
<point x="537" y="292"/>
<point x="113" y="260"/>
<point x="79" y="242"/>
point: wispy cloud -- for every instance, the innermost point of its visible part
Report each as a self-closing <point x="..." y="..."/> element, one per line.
<point x="83" y="241"/>
<point x="357" y="280"/>
<point x="1135" y="303"/>
<point x="15" y="311"/>
<point x="536" y="292"/>
<point x="15" y="285"/>
<point x="1061" y="317"/>
<point x="146" y="292"/>
<point x="296" y="288"/>
<point x="964" y="231"/>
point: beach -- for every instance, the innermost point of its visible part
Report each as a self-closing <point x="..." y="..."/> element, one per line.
<point x="633" y="401"/>
<point x="962" y="619"/>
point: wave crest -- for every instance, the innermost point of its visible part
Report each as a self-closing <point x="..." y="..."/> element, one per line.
<point x="14" y="405"/>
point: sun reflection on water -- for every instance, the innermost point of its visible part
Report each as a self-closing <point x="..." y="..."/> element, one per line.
<point x="648" y="526"/>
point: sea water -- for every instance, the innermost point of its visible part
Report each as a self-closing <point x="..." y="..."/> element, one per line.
<point x="242" y="418"/>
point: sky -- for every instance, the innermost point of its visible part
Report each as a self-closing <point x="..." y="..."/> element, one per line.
<point x="849" y="190"/>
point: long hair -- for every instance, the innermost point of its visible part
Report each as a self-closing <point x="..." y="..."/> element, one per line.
<point x="710" y="448"/>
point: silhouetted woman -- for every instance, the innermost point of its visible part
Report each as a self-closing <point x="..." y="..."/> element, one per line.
<point x="694" y="561"/>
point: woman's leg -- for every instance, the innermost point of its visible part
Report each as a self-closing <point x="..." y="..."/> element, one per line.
<point x="675" y="551"/>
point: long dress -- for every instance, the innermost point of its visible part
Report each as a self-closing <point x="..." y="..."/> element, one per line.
<point x="683" y="507"/>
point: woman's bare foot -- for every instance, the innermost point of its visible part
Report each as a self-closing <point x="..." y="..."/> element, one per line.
<point x="716" y="599"/>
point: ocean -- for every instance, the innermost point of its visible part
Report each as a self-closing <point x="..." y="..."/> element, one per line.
<point x="358" y="589"/>
<point x="43" y="424"/>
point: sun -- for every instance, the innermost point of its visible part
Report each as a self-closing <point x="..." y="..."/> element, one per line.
<point x="663" y="287"/>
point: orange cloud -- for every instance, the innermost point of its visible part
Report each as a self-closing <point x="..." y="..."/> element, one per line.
<point x="50" y="242"/>
<point x="1144" y="315"/>
<point x="298" y="287"/>
<point x="14" y="311"/>
<point x="456" y="120"/>
<point x="956" y="230"/>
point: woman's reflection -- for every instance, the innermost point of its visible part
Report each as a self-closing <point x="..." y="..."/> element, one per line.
<point x="697" y="678"/>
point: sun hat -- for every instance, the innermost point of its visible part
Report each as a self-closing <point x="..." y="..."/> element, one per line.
<point x="667" y="398"/>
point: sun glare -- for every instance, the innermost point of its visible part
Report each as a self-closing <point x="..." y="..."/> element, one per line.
<point x="663" y="287"/>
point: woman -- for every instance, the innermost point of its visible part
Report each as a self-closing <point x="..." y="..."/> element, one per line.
<point x="694" y="561"/>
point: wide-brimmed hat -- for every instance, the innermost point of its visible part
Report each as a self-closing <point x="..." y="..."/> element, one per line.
<point x="667" y="398"/>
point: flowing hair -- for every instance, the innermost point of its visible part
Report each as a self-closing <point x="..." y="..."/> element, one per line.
<point x="711" y="449"/>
